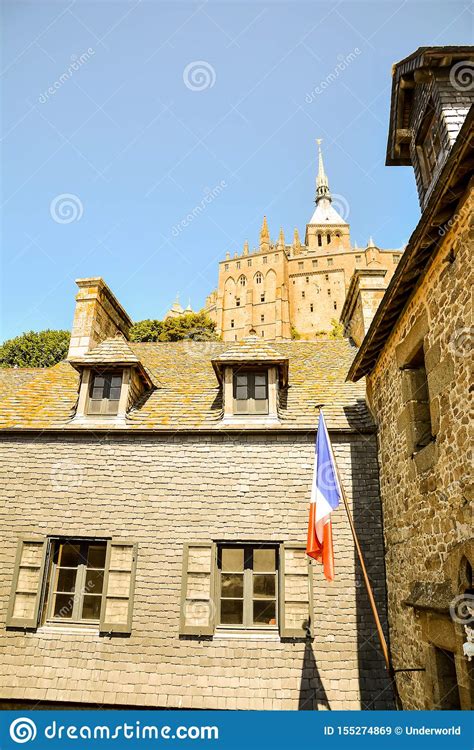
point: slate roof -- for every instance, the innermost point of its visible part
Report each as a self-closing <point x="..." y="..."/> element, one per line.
<point x="115" y="350"/>
<point x="187" y="395"/>
<point x="12" y="378"/>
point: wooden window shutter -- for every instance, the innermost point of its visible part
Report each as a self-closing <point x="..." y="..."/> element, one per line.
<point x="296" y="591"/>
<point x="119" y="587"/>
<point x="28" y="578"/>
<point x="198" y="589"/>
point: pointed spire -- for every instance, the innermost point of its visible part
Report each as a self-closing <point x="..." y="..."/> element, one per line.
<point x="370" y="242"/>
<point x="281" y="240"/>
<point x="322" y="183"/>
<point x="264" y="236"/>
<point x="246" y="247"/>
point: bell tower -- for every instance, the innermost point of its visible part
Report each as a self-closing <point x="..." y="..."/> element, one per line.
<point x="326" y="230"/>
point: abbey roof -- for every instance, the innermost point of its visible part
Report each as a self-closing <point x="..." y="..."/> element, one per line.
<point x="186" y="394"/>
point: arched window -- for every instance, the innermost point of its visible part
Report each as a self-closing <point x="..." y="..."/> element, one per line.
<point x="258" y="277"/>
<point x="242" y="280"/>
<point x="320" y="240"/>
<point x="328" y="237"/>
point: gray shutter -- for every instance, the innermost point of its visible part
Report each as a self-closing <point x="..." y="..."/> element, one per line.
<point x="198" y="589"/>
<point x="119" y="587"/>
<point x="27" y="586"/>
<point x="296" y="591"/>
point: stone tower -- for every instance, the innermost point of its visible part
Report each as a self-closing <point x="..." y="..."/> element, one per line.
<point x="281" y="290"/>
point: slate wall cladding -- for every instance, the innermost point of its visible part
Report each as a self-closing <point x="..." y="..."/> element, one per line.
<point x="162" y="491"/>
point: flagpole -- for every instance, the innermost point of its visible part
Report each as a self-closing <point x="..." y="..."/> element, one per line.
<point x="378" y="625"/>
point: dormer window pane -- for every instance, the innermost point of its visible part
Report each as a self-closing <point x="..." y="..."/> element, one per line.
<point x="250" y="392"/>
<point x="105" y="393"/>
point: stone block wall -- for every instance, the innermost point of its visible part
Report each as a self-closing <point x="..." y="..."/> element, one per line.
<point x="162" y="491"/>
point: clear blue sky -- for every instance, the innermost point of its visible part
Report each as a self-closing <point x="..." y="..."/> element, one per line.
<point x="139" y="142"/>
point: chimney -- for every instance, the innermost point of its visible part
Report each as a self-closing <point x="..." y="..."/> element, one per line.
<point x="363" y="297"/>
<point x="98" y="315"/>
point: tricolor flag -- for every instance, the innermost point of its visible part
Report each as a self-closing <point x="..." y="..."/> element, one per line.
<point x="325" y="496"/>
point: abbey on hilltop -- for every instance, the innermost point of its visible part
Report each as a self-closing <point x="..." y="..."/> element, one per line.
<point x="281" y="290"/>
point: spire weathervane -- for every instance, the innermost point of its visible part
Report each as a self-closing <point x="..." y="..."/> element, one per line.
<point x="322" y="184"/>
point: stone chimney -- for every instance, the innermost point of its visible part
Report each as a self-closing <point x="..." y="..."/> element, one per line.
<point x="364" y="295"/>
<point x="98" y="315"/>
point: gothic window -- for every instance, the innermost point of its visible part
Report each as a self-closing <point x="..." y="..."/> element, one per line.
<point x="242" y="280"/>
<point x="104" y="393"/>
<point x="250" y="392"/>
<point x="320" y="240"/>
<point x="328" y="238"/>
<point x="258" y="277"/>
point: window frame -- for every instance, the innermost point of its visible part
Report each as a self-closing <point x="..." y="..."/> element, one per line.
<point x="251" y="410"/>
<point x="248" y="576"/>
<point x="105" y="401"/>
<point x="429" y="155"/>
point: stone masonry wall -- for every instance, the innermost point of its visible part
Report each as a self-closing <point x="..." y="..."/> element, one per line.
<point x="162" y="491"/>
<point x="426" y="511"/>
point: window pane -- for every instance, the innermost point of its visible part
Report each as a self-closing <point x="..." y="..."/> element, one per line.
<point x="232" y="611"/>
<point x="69" y="555"/>
<point x="261" y="392"/>
<point x="233" y="559"/>
<point x="66" y="580"/>
<point x="264" y="560"/>
<point x="63" y="605"/>
<point x="241" y="386"/>
<point x="264" y="613"/>
<point x="96" y="556"/>
<point x="115" y="387"/>
<point x="98" y="386"/>
<point x="232" y="585"/>
<point x="264" y="586"/>
<point x="94" y="581"/>
<point x="91" y="607"/>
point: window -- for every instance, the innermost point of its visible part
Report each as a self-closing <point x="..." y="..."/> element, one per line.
<point x="232" y="323"/>
<point x="76" y="581"/>
<point x="249" y="262"/>
<point x="258" y="277"/>
<point x="226" y="266"/>
<point x="335" y="305"/>
<point x="329" y="292"/>
<point x="262" y="297"/>
<point x="237" y="265"/>
<point x="395" y="259"/>
<point x="300" y="265"/>
<point x="311" y="307"/>
<point x="104" y="393"/>
<point x="262" y="318"/>
<point x="415" y="387"/>
<point x="250" y="392"/>
<point x="315" y="263"/>
<point x="85" y="581"/>
<point x="307" y="279"/>
<point x="263" y="334"/>
<point x="237" y="301"/>
<point x="358" y="258"/>
<point x="320" y="240"/>
<point x="265" y="260"/>
<point x="328" y="238"/>
<point x="303" y="294"/>
<point x="326" y="276"/>
<point x="446" y="680"/>
<point x="250" y="587"/>
<point x="330" y="261"/>
<point x="242" y="280"/>
<point x="429" y="144"/>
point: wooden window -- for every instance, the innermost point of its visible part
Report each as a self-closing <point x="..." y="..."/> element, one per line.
<point x="429" y="144"/>
<point x="104" y="393"/>
<point x="74" y="581"/>
<point x="246" y="586"/>
<point x="250" y="391"/>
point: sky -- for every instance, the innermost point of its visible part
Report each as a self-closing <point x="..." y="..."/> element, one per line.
<point x="142" y="140"/>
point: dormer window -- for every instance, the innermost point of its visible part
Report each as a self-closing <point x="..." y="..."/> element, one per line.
<point x="251" y="392"/>
<point x="104" y="393"/>
<point x="429" y="144"/>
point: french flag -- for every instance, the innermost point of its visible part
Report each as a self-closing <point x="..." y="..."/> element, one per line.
<point x="325" y="497"/>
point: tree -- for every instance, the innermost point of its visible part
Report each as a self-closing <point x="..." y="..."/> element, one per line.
<point x="337" y="330"/>
<point x="35" y="349"/>
<point x="194" y="326"/>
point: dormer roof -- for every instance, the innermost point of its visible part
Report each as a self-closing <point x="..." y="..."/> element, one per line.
<point x="251" y="351"/>
<point x="113" y="352"/>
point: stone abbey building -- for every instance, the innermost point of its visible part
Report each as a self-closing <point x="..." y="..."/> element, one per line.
<point x="281" y="290"/>
<point x="155" y="496"/>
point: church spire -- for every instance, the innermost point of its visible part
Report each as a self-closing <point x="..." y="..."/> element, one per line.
<point x="322" y="184"/>
<point x="264" y="236"/>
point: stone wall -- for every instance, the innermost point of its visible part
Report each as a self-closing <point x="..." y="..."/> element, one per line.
<point x="427" y="514"/>
<point x="162" y="491"/>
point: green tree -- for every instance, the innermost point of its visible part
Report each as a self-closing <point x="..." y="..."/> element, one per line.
<point x="35" y="349"/>
<point x="337" y="330"/>
<point x="195" y="326"/>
